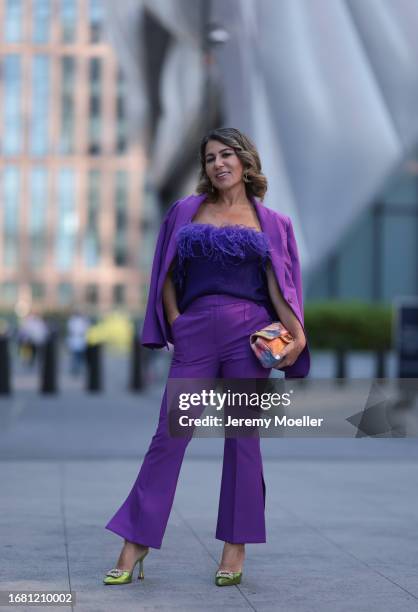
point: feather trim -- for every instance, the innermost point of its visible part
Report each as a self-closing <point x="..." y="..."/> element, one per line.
<point x="225" y="245"/>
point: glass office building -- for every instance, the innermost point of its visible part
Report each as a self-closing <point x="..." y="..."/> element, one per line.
<point x="70" y="179"/>
<point x="377" y="259"/>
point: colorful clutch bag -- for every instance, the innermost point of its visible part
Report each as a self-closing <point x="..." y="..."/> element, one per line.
<point x="268" y="342"/>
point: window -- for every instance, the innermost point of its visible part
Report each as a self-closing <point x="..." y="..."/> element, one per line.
<point x="67" y="224"/>
<point x="37" y="216"/>
<point x="40" y="104"/>
<point x="11" y="194"/>
<point x="96" y="17"/>
<point x="65" y="294"/>
<point x="121" y="120"/>
<point x="92" y="236"/>
<point x="68" y="14"/>
<point x="9" y="292"/>
<point x="13" y="21"/>
<point x="95" y="118"/>
<point x="120" y="250"/>
<point x="400" y="190"/>
<point x="41" y="21"/>
<point x="67" y="105"/>
<point x="119" y="296"/>
<point x="12" y="120"/>
<point x="38" y="291"/>
<point x="92" y="294"/>
<point x="144" y="291"/>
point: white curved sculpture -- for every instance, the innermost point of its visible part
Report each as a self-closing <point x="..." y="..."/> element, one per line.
<point x="328" y="90"/>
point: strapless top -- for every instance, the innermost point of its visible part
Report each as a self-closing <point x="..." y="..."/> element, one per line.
<point x="229" y="259"/>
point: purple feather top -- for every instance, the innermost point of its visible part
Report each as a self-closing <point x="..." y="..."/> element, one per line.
<point x="226" y="245"/>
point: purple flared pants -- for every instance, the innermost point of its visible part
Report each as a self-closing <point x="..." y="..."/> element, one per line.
<point x="211" y="340"/>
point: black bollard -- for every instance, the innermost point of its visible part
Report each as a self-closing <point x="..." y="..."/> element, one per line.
<point x="5" y="388"/>
<point x="49" y="364"/>
<point x="137" y="382"/>
<point x="94" y="367"/>
<point x="341" y="365"/>
<point x="380" y="357"/>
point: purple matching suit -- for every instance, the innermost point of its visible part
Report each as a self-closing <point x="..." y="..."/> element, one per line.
<point x="211" y="340"/>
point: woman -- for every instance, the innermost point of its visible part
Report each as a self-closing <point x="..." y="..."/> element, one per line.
<point x="224" y="266"/>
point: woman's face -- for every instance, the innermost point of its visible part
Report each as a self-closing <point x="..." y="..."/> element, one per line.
<point x="223" y="166"/>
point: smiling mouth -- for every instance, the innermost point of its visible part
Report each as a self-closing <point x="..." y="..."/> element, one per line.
<point x="222" y="175"/>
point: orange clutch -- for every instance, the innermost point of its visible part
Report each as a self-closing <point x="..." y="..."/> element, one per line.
<point x="269" y="342"/>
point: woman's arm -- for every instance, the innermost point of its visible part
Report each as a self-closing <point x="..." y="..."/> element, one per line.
<point x="286" y="315"/>
<point x="169" y="297"/>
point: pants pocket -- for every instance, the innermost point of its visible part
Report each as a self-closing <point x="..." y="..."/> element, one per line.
<point x="256" y="317"/>
<point x="179" y="330"/>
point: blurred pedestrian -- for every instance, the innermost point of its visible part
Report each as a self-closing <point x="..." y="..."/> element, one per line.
<point x="32" y="335"/>
<point x="77" y="327"/>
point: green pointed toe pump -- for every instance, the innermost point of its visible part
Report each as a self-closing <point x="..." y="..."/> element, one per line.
<point x="225" y="578"/>
<point x="118" y="576"/>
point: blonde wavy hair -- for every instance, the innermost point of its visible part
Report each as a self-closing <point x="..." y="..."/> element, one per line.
<point x="255" y="181"/>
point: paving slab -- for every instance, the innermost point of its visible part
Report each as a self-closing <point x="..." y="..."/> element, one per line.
<point x="335" y="541"/>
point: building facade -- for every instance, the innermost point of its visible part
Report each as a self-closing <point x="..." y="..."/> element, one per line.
<point x="70" y="177"/>
<point x="377" y="258"/>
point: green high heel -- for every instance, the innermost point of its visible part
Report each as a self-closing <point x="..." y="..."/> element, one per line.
<point x="118" y="576"/>
<point x="225" y="578"/>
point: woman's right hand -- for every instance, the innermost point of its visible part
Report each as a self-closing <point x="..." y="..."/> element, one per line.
<point x="169" y="300"/>
<point x="172" y="319"/>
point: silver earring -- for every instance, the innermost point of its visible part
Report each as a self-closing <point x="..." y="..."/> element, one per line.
<point x="245" y="177"/>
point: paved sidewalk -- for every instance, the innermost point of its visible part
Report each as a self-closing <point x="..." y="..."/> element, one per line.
<point x="341" y="514"/>
<point x="341" y="537"/>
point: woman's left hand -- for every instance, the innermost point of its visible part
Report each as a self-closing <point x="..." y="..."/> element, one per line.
<point x="290" y="353"/>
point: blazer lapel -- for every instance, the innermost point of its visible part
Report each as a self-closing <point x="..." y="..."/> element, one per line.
<point x="272" y="228"/>
<point x="184" y="214"/>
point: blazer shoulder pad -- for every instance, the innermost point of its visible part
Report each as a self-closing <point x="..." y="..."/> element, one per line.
<point x="173" y="208"/>
<point x="186" y="200"/>
<point x="275" y="215"/>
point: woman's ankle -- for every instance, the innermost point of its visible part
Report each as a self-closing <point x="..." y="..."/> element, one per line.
<point x="233" y="557"/>
<point x="236" y="547"/>
<point x="135" y="544"/>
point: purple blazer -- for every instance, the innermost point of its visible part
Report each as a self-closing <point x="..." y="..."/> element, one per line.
<point x="156" y="331"/>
